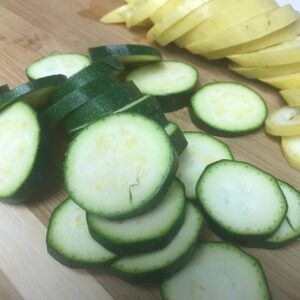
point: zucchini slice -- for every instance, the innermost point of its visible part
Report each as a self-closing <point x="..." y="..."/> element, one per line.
<point x="202" y="150"/>
<point x="148" y="232"/>
<point x="102" y="105"/>
<point x="284" y="121"/>
<point x="177" y="137"/>
<point x="66" y="64"/>
<point x="120" y="166"/>
<point x="24" y="153"/>
<point x="291" y="149"/>
<point x="228" y="109"/>
<point x="234" y="194"/>
<point x="69" y="241"/>
<point x="163" y="263"/>
<point x="4" y="88"/>
<point x="218" y="271"/>
<point x="127" y="54"/>
<point x="289" y="229"/>
<point x="63" y="107"/>
<point x="160" y="118"/>
<point x="36" y="93"/>
<point x="173" y="83"/>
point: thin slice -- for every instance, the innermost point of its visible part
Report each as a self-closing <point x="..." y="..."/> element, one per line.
<point x="284" y="121"/>
<point x="162" y="263"/>
<point x="171" y="82"/>
<point x="291" y="96"/>
<point x="218" y="271"/>
<point x="4" y="88"/>
<point x="164" y="10"/>
<point x="289" y="230"/>
<point x="291" y="149"/>
<point x="24" y="152"/>
<point x="115" y="168"/>
<point x="148" y="232"/>
<point x="66" y="64"/>
<point x="36" y="92"/>
<point x="234" y="194"/>
<point x="284" y="82"/>
<point x="160" y="118"/>
<point x="202" y="150"/>
<point x="69" y="241"/>
<point x="115" y="16"/>
<point x="177" y="137"/>
<point x="228" y="109"/>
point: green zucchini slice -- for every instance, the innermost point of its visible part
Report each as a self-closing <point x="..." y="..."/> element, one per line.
<point x="4" y="88"/>
<point x="177" y="137"/>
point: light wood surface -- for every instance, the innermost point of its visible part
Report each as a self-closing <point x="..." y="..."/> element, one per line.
<point x="32" y="28"/>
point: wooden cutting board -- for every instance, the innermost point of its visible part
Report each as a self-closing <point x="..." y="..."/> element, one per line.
<point x="32" y="28"/>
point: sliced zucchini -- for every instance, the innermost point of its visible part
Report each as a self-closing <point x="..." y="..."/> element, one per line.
<point x="284" y="121"/>
<point x="148" y="232"/>
<point x="127" y="54"/>
<point x="24" y="152"/>
<point x="102" y="105"/>
<point x="228" y="109"/>
<point x="163" y="263"/>
<point x="233" y="194"/>
<point x="160" y="118"/>
<point x="202" y="150"/>
<point x="120" y="166"/>
<point x="66" y="64"/>
<point x="171" y="82"/>
<point x="289" y="229"/>
<point x="4" y="88"/>
<point x="218" y="271"/>
<point x="177" y="137"/>
<point x="63" y="107"/>
<point x="291" y="96"/>
<point x="69" y="241"/>
<point x="36" y="92"/>
<point x="291" y="149"/>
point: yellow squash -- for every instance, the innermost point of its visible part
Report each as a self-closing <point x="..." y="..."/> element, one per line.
<point x="285" y="53"/>
<point x="291" y="96"/>
<point x="248" y="31"/>
<point x="291" y="150"/>
<point x="290" y="81"/>
<point x="115" y="16"/>
<point x="169" y="7"/>
<point x="284" y="122"/>
<point x="265" y="71"/>
<point x="225" y="17"/>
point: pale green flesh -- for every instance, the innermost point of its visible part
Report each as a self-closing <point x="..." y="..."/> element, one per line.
<point x="202" y="150"/>
<point x="218" y="271"/>
<point x="181" y="243"/>
<point x="69" y="236"/>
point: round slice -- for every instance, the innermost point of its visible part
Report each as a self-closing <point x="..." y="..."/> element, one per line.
<point x="177" y="137"/>
<point x="240" y="200"/>
<point x="69" y="240"/>
<point x="150" y="231"/>
<point x="127" y="54"/>
<point x="218" y="271"/>
<point x="35" y="92"/>
<point x="228" y="109"/>
<point x="202" y="150"/>
<point x="120" y="166"/>
<point x="66" y="64"/>
<point x="284" y="121"/>
<point x="23" y="152"/>
<point x="291" y="149"/>
<point x="289" y="229"/>
<point x="4" y="88"/>
<point x="163" y="263"/>
<point x="171" y="82"/>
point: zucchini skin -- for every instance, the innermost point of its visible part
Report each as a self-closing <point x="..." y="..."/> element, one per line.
<point x="178" y="140"/>
<point x="159" y="117"/>
<point x="4" y="88"/>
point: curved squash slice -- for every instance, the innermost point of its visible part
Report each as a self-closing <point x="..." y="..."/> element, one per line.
<point x="290" y="81"/>
<point x="291" y="96"/>
<point x="291" y="149"/>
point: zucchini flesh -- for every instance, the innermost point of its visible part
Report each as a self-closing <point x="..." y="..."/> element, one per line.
<point x="66" y="64"/>
<point x="233" y="194"/>
<point x="228" y="109"/>
<point x="24" y="154"/>
<point x="127" y="54"/>
<point x="177" y="137"/>
<point x="4" y="88"/>
<point x="218" y="271"/>
<point x="289" y="229"/>
<point x="69" y="241"/>
<point x="102" y="105"/>
<point x="202" y="150"/>
<point x="148" y="232"/>
<point x="163" y="263"/>
<point x="171" y="82"/>
<point x="115" y="169"/>
<point x="36" y="92"/>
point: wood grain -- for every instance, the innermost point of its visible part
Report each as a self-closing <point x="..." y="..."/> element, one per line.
<point x="32" y="28"/>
